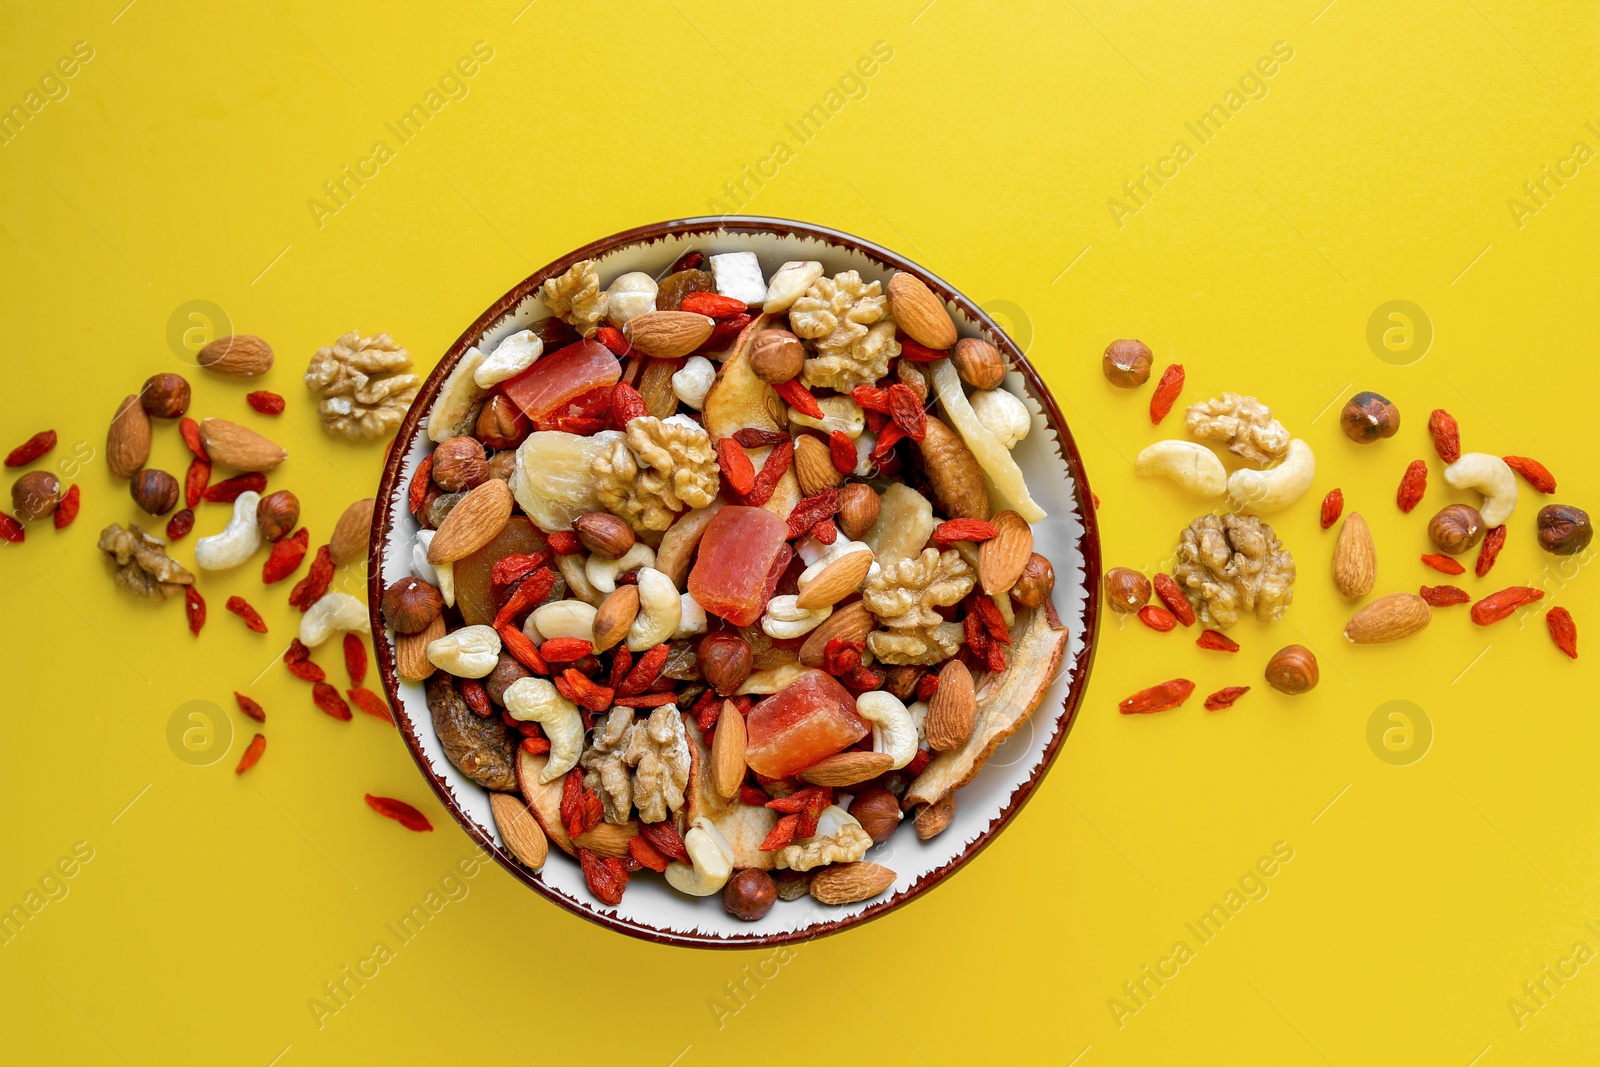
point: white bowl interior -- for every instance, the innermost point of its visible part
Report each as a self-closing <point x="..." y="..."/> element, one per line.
<point x="650" y="904"/>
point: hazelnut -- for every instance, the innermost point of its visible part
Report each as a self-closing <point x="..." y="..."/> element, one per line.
<point x="934" y="819"/>
<point x="459" y="464"/>
<point x="501" y="424"/>
<point x="277" y="514"/>
<point x="1126" y="589"/>
<point x="1037" y="581"/>
<point x="878" y="812"/>
<point x="1563" y="529"/>
<point x="1293" y="670"/>
<point x="154" y="491"/>
<point x="979" y="363"/>
<point x="410" y="605"/>
<point x="604" y="534"/>
<point x="858" y="509"/>
<point x="1456" y="528"/>
<point x="1126" y="363"/>
<point x="1369" y="417"/>
<point x="506" y="671"/>
<point x="35" y="495"/>
<point x="750" y="894"/>
<point x="164" y="396"/>
<point x="776" y="356"/>
<point x="726" y="660"/>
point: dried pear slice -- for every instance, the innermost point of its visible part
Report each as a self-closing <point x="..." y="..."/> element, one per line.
<point x="553" y="481"/>
<point x="1007" y="488"/>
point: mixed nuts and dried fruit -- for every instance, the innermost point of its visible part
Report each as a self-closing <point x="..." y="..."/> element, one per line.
<point x="723" y="572"/>
<point x="1231" y="564"/>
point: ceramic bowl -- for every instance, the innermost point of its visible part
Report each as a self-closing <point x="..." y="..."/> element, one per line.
<point x="1068" y="537"/>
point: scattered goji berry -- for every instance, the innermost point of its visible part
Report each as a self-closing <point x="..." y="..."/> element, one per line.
<point x="194" y="482"/>
<point x="644" y="672"/>
<point x="11" y="530"/>
<point x="712" y="305"/>
<point x="355" y="658"/>
<point x="296" y="652"/>
<point x="1224" y="698"/>
<point x="194" y="608"/>
<point x="1413" y="484"/>
<point x="907" y="411"/>
<point x="267" y="403"/>
<point x="520" y="648"/>
<point x="31" y="449"/>
<point x="1167" y="390"/>
<point x="1163" y="697"/>
<point x="1563" y="631"/>
<point x="613" y="339"/>
<point x="841" y="655"/>
<point x="1167" y="589"/>
<point x="607" y="878"/>
<point x="565" y="649"/>
<point x="310" y="589"/>
<point x="776" y="466"/>
<point x="1216" y="641"/>
<point x="927" y="685"/>
<point x="226" y="492"/>
<point x="977" y="636"/>
<point x="996" y="658"/>
<point x="67" y="510"/>
<point x="1158" y="619"/>
<point x="530" y="592"/>
<point x="736" y="466"/>
<point x="1493" y="542"/>
<point x="1443" y="596"/>
<point x="400" y="812"/>
<point x="812" y="510"/>
<point x="1446" y="435"/>
<point x="421" y="479"/>
<point x="1497" y="606"/>
<point x="327" y="698"/>
<point x="252" y="618"/>
<point x="752" y="437"/>
<point x="917" y="352"/>
<point x="1533" y="472"/>
<point x="252" y="754"/>
<point x="285" y="557"/>
<point x="475" y="696"/>
<point x="371" y="703"/>
<point x="647" y="700"/>
<point x="306" y="671"/>
<point x="1332" y="507"/>
<point x="842" y="451"/>
<point x="250" y="707"/>
<point x="798" y="397"/>
<point x="627" y="404"/>
<point x="190" y="431"/>
<point x="950" y="531"/>
<point x="1443" y="564"/>
<point x="587" y="693"/>
<point x="180" y="524"/>
<point x="578" y="425"/>
<point x="535" y="745"/>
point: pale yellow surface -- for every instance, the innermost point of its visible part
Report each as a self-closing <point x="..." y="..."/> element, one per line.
<point x="1377" y="167"/>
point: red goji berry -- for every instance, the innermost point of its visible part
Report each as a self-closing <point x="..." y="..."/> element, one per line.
<point x="613" y="339"/>
<point x="977" y="636"/>
<point x="355" y="658"/>
<point x="565" y="649"/>
<point x="1216" y="641"/>
<point x="475" y="696"/>
<point x="581" y="809"/>
<point x="735" y="466"/>
<point x="67" y="510"/>
<point x="11" y="530"/>
<point x="812" y="510"/>
<point x="994" y="624"/>
<point x="327" y="698"/>
<point x="31" y="449"/>
<point x="296" y="652"/>
<point x="627" y="404"/>
<point x="577" y="425"/>
<point x="950" y="531"/>
<point x="888" y="437"/>
<point x="664" y="836"/>
<point x="907" y="411"/>
<point x="927" y="685"/>
<point x="285" y="557"/>
<point x="776" y="466"/>
<point x="250" y="707"/>
<point x="190" y="430"/>
<point x="520" y="648"/>
<point x="751" y="795"/>
<point x="180" y="524"/>
<point x="1497" y="606"/>
<point x="252" y="618"/>
<point x="621" y="661"/>
<point x="643" y="673"/>
<point x="1163" y="697"/>
<point x="1446" y="435"/>
<point x="1167" y="589"/>
<point x="1493" y="542"/>
<point x="530" y="592"/>
<point x="725" y="332"/>
<point x="194" y="482"/>
<point x="400" y="812"/>
<point x="1563" y="631"/>
<point x="371" y="703"/>
<point x="752" y="437"/>
<point x="645" y="854"/>
<point x="825" y="532"/>
<point x="1533" y="472"/>
<point x="798" y="397"/>
<point x="507" y="572"/>
<point x="227" y="492"/>
<point x="687" y="261"/>
<point x="310" y="589"/>
<point x="871" y="398"/>
<point x="1413" y="484"/>
<point x="1224" y="698"/>
<point x="1158" y="619"/>
<point x="267" y="403"/>
<point x="712" y="305"/>
<point x="782" y="834"/>
<point x="1443" y="564"/>
<point x="1167" y="390"/>
<point x="194" y="608"/>
<point x="841" y="655"/>
<point x="564" y="542"/>
<point x="252" y="754"/>
<point x="842" y="451"/>
<point x="421" y="480"/>
<point x="535" y="745"/>
<point x="307" y="671"/>
<point x="861" y="679"/>
<point x="916" y="351"/>
<point x="607" y="878"/>
<point x="648" y="700"/>
<point x="1332" y="507"/>
<point x="1443" y="596"/>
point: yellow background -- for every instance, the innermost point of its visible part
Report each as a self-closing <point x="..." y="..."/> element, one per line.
<point x="1377" y="167"/>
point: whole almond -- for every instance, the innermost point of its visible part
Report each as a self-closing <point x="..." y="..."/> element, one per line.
<point x="727" y="752"/>
<point x="934" y="819"/>
<point x="1388" y="618"/>
<point x="1002" y="557"/>
<point x="411" y="651"/>
<point x="920" y="314"/>
<point x="813" y="465"/>
<point x="615" y="614"/>
<point x="128" y="439"/>
<point x="476" y="520"/>
<point x="604" y="534"/>
<point x="352" y="533"/>
<point x="1355" y="558"/>
<point x="241" y="355"/>
<point x="836" y="581"/>
<point x="850" y="767"/>
<point x="979" y="363"/>
<point x="859" y="505"/>
<point x="952" y="710"/>
<point x="520" y="830"/>
<point x="846" y="883"/>
<point x="231" y="445"/>
<point x="852" y="623"/>
<point x="668" y="334"/>
<point x="608" y="840"/>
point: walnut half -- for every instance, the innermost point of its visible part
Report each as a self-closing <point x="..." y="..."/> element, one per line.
<point x="362" y="392"/>
<point x="1233" y="565"/>
<point x="662" y="468"/>
<point x="846" y="321"/>
<point x="904" y="596"/>
<point x="143" y="566"/>
<point x="1243" y="423"/>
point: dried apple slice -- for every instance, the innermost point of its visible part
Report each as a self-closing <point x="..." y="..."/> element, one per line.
<point x="743" y="825"/>
<point x="1007" y="488"/>
<point x="739" y="399"/>
<point x="1004" y="704"/>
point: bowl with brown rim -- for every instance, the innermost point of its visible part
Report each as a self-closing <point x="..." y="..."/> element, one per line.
<point x="1068" y="536"/>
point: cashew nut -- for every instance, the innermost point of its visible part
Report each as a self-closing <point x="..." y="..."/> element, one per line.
<point x="691" y="618"/>
<point x="334" y="613"/>
<point x="893" y="729"/>
<point x="577" y="579"/>
<point x="1193" y="466"/>
<point x="838" y="413"/>
<point x="713" y="861"/>
<point x="790" y="284"/>
<point x="693" y="382"/>
<point x="470" y="652"/>
<point x="602" y="573"/>
<point x="536" y="700"/>
<point x="1003" y="414"/>
<point x="630" y="295"/>
<point x="1276" y="487"/>
<point x="660" y="611"/>
<point x="237" y="542"/>
<point x="510" y="358"/>
<point x="442" y="576"/>
<point x="563" y="618"/>
<point x="919" y="715"/>
<point x="783" y="620"/>
<point x="1490" y="476"/>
